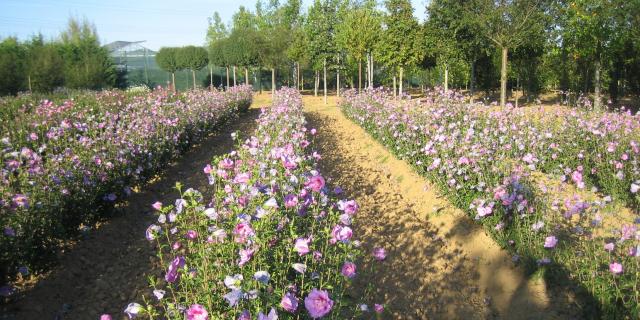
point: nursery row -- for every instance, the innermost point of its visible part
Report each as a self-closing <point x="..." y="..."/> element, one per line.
<point x="68" y="162"/>
<point x="273" y="241"/>
<point x="550" y="186"/>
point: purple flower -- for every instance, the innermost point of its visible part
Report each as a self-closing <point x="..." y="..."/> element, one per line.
<point x="245" y="315"/>
<point x="318" y="303"/>
<point x="349" y="269"/>
<point x="172" y="274"/>
<point x="302" y="246"/>
<point x="378" y="307"/>
<point x="191" y="234"/>
<point x="159" y="294"/>
<point x="197" y="312"/>
<point x="290" y="201"/>
<point x="9" y="232"/>
<point x="152" y="231"/>
<point x="262" y="277"/>
<point x="379" y="253"/>
<point x="6" y="291"/>
<point x="289" y="302"/>
<point x="133" y="309"/>
<point x="550" y="242"/>
<point x="233" y="282"/>
<point x="316" y="183"/>
<point x="233" y="297"/>
<point x="273" y="315"/>
<point x="341" y="233"/>
<point x="615" y="268"/>
<point x="20" y="201"/>
<point x="634" y="188"/>
<point x="245" y="256"/>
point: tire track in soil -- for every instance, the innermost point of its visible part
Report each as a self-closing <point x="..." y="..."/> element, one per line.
<point x="108" y="269"/>
<point x="440" y="264"/>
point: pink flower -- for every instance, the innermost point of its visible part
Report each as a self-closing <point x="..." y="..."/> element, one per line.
<point x="242" y="231"/>
<point x="105" y="317"/>
<point x="550" y="242"/>
<point x="302" y="246"/>
<point x="316" y="183"/>
<point x="197" y="312"/>
<point x="341" y="233"/>
<point x="609" y="246"/>
<point x="634" y="188"/>
<point x="290" y="201"/>
<point x="157" y="205"/>
<point x="349" y="269"/>
<point x="378" y="307"/>
<point x="615" y="268"/>
<point x="245" y="256"/>
<point x="208" y="169"/>
<point x="242" y="178"/>
<point x="289" y="302"/>
<point x="379" y="253"/>
<point x="318" y="303"/>
<point x="350" y="207"/>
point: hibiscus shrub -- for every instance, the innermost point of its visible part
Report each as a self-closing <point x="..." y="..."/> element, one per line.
<point x="524" y="175"/>
<point x="272" y="241"/>
<point x="68" y="162"/>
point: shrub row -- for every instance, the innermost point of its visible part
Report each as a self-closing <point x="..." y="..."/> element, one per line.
<point x="489" y="161"/>
<point x="272" y="242"/>
<point x="69" y="162"/>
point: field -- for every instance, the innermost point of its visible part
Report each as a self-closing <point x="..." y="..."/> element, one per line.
<point x="342" y="210"/>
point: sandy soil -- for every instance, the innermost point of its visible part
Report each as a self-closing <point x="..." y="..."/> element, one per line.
<point x="440" y="265"/>
<point x="108" y="269"/>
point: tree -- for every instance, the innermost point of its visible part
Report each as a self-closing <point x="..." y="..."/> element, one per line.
<point x="401" y="45"/>
<point x="508" y="24"/>
<point x="359" y="32"/>
<point x="194" y="58"/>
<point x="167" y="59"/>
<point x="44" y="65"/>
<point x="12" y="68"/>
<point x="319" y="30"/>
<point x="87" y="64"/>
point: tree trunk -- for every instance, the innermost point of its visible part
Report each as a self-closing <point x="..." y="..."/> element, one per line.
<point x="316" y="84"/>
<point x="359" y="76"/>
<point x="400" y="83"/>
<point x="338" y="79"/>
<point x="193" y="73"/>
<point x="517" y="86"/>
<point x="597" y="104"/>
<point x="273" y="81"/>
<point x="395" y="93"/>
<point x="503" y="78"/>
<point x="173" y="81"/>
<point x="234" y="76"/>
<point x="29" y="77"/>
<point x="227" y="77"/>
<point x="259" y="80"/>
<point x="473" y="79"/>
<point x="325" y="80"/>
<point x="210" y="77"/>
<point x="246" y="76"/>
<point x="301" y="81"/>
<point x="372" y="74"/>
<point x="446" y="78"/>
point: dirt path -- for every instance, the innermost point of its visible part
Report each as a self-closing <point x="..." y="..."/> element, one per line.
<point x="108" y="269"/>
<point x="440" y="265"/>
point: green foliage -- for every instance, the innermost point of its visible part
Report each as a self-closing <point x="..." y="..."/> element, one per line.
<point x="401" y="45"/>
<point x="192" y="57"/>
<point x="167" y="59"/>
<point x="12" y="66"/>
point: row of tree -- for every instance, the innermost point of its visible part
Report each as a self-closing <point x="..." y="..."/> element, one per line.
<point x="173" y="59"/>
<point x="530" y="45"/>
<point x="75" y="60"/>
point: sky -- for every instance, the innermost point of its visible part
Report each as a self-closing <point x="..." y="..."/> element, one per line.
<point x="159" y="22"/>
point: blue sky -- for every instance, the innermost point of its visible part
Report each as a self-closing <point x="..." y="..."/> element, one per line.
<point x="161" y="23"/>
